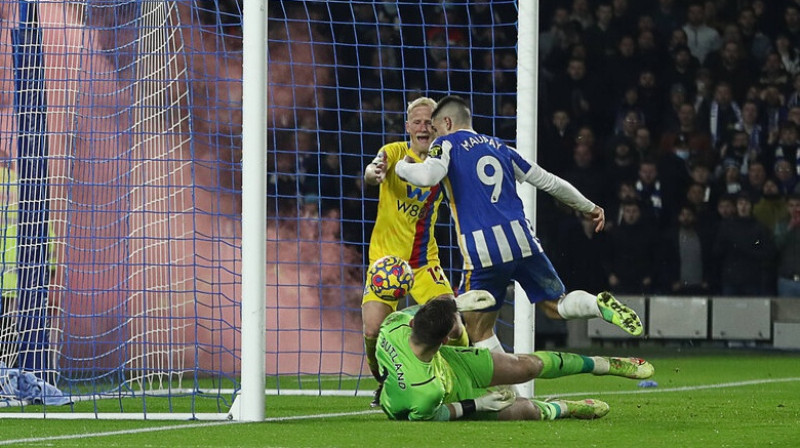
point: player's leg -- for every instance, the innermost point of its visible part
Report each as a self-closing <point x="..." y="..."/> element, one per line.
<point x="541" y="283"/>
<point x="514" y="369"/>
<point x="583" y="409"/>
<point x="372" y="315"/>
<point x="480" y="323"/>
<point x="583" y="305"/>
<point x="373" y="311"/>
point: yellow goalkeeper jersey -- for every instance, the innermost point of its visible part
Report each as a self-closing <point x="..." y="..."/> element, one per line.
<point x="406" y="214"/>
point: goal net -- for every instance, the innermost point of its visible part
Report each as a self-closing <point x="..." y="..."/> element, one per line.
<point x="121" y="181"/>
<point x="119" y="131"/>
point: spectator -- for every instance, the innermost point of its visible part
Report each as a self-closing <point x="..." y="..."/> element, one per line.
<point x="578" y="249"/>
<point x="791" y="24"/>
<point x="771" y="210"/>
<point x="729" y="67"/>
<point x="576" y="93"/>
<point x="786" y="147"/>
<point x="650" y="99"/>
<point x="750" y="125"/>
<point x="625" y="192"/>
<point x="555" y="150"/>
<point x="582" y="13"/>
<point x="666" y="19"/>
<point x="621" y="166"/>
<point x="602" y="37"/>
<point x="744" y="249"/>
<point x="684" y="256"/>
<point x="793" y="115"/>
<point x="697" y="199"/>
<point x="586" y="175"/>
<point x="726" y="207"/>
<point x="669" y="116"/>
<point x="630" y="255"/>
<point x="788" y="283"/>
<point x="701" y="175"/>
<point x="773" y="108"/>
<point x="737" y="150"/>
<point x="629" y="114"/>
<point x="654" y="202"/>
<point x="785" y="176"/>
<point x="623" y="67"/>
<point x="702" y="39"/>
<point x="754" y="182"/>
<point x="652" y="56"/>
<point x="554" y="38"/>
<point x="730" y="180"/>
<point x="789" y="55"/>
<point x="686" y="134"/>
<point x="793" y="98"/>
<point x="773" y="73"/>
<point x="755" y="42"/>
<point x="720" y="115"/>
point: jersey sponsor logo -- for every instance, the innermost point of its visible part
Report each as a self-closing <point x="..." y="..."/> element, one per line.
<point x="417" y="193"/>
<point x="435" y="151"/>
<point x="413" y="210"/>
<point x="398" y="367"/>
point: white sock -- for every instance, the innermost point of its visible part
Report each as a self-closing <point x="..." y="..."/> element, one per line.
<point x="601" y="365"/>
<point x="492" y="343"/>
<point x="578" y="305"/>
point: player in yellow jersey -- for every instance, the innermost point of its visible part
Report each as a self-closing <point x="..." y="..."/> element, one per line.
<point x="404" y="227"/>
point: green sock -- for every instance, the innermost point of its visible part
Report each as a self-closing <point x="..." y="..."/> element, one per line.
<point x="372" y="361"/>
<point x="558" y="364"/>
<point x="548" y="411"/>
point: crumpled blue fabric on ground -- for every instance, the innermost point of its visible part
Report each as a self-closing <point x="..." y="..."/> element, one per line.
<point x="27" y="386"/>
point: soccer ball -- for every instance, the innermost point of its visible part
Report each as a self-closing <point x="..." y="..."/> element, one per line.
<point x="390" y="278"/>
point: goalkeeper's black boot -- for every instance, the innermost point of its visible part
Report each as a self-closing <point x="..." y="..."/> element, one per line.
<point x="376" y="397"/>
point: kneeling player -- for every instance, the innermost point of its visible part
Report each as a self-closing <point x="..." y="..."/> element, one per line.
<point x="426" y="380"/>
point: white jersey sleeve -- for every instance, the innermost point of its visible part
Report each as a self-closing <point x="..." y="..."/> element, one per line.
<point x="431" y="171"/>
<point x="525" y="171"/>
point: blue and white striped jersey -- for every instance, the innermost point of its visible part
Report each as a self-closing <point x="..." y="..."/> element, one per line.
<point x="486" y="209"/>
<point x="479" y="173"/>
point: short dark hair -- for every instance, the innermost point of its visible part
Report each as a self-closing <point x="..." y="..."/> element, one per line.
<point x="433" y="321"/>
<point x="448" y="102"/>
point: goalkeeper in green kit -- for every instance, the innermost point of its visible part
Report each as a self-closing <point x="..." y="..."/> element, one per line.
<point x="426" y="380"/>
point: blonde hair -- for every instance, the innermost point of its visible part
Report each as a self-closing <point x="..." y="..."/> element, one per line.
<point x="421" y="101"/>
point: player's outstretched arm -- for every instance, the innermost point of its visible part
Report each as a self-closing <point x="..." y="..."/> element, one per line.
<point x="493" y="401"/>
<point x="375" y="172"/>
<point x="598" y="216"/>
<point x="425" y="174"/>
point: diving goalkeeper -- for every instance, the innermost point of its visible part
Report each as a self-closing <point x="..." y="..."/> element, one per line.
<point x="426" y="380"/>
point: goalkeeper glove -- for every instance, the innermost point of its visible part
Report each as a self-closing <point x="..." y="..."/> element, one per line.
<point x="495" y="400"/>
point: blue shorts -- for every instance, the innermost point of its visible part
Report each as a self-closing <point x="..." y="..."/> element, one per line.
<point x="535" y="274"/>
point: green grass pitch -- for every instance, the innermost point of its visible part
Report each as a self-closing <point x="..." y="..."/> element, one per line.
<point x="726" y="398"/>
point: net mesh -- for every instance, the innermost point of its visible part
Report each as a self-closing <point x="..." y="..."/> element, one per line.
<point x="134" y="207"/>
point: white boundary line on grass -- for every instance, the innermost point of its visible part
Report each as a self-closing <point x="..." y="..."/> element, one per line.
<point x="679" y="389"/>
<point x="346" y="414"/>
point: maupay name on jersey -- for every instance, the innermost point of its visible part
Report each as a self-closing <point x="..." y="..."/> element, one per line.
<point x="466" y="144"/>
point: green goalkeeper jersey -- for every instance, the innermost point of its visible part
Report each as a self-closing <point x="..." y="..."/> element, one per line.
<point x="412" y="389"/>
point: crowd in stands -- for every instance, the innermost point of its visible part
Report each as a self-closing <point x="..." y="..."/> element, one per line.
<point x="680" y="118"/>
